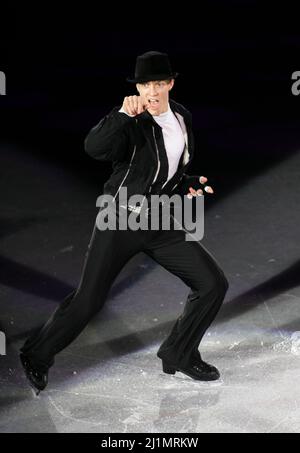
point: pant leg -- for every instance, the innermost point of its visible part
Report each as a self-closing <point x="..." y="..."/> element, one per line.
<point x="197" y="268"/>
<point x="107" y="253"/>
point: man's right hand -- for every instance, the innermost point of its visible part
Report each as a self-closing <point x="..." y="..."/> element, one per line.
<point x="133" y="105"/>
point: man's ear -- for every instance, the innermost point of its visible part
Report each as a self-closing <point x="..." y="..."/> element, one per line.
<point x="137" y="87"/>
<point x="171" y="84"/>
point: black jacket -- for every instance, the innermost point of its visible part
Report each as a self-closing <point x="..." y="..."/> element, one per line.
<point x="135" y="146"/>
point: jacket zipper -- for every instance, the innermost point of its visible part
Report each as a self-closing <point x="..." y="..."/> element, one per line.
<point x="158" y="165"/>
<point x="156" y="174"/>
<point x="158" y="161"/>
<point x="127" y="172"/>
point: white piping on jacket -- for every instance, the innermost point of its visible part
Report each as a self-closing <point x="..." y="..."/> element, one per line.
<point x="129" y="166"/>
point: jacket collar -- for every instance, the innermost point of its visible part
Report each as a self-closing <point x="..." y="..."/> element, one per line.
<point x="183" y="115"/>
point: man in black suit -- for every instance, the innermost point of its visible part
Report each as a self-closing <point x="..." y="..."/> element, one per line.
<point x="150" y="143"/>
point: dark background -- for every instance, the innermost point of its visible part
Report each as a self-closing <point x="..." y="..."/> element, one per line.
<point x="66" y="70"/>
<point x="66" y="67"/>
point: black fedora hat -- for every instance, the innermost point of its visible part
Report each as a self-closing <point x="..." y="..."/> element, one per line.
<point x="152" y="66"/>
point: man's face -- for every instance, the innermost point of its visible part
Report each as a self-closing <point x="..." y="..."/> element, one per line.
<point x="156" y="95"/>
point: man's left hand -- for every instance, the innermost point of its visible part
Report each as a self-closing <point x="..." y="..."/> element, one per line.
<point x="194" y="193"/>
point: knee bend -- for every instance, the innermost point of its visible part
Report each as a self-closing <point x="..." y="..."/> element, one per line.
<point x="224" y="283"/>
<point x="218" y="285"/>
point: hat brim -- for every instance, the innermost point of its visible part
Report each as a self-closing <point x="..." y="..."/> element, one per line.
<point x="152" y="77"/>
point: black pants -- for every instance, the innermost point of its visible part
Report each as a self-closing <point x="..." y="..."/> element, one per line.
<point x="107" y="253"/>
